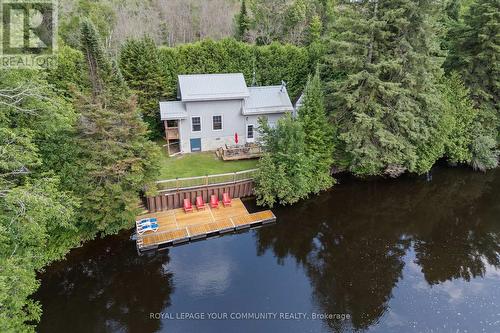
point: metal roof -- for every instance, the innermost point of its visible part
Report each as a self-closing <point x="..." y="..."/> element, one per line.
<point x="173" y="110"/>
<point x="300" y="102"/>
<point x="270" y="99"/>
<point x="298" y="105"/>
<point x="210" y="87"/>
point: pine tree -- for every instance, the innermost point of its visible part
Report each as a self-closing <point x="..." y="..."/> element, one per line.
<point x="318" y="134"/>
<point x="116" y="158"/>
<point x="381" y="87"/>
<point x="243" y="23"/>
<point x="475" y="52"/>
<point x="141" y="67"/>
<point x="103" y="72"/>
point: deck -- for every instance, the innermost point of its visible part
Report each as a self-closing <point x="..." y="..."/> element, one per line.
<point x="176" y="226"/>
<point x="234" y="153"/>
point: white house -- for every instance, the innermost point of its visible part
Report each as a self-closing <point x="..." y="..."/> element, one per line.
<point x="213" y="109"/>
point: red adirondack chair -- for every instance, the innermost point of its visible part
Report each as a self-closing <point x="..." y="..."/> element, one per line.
<point x="226" y="199"/>
<point x="188" y="207"/>
<point x="200" y="204"/>
<point x="214" y="201"/>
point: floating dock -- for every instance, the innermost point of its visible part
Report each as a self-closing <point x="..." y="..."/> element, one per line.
<point x="176" y="226"/>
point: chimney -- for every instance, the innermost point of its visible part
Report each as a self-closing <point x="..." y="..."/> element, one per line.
<point x="283" y="86"/>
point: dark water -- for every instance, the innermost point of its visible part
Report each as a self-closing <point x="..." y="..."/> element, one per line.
<point x="391" y="256"/>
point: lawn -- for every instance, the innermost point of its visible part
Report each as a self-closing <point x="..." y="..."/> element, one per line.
<point x="200" y="164"/>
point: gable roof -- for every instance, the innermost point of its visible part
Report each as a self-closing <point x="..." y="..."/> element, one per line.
<point x="212" y="87"/>
<point x="298" y="105"/>
<point x="173" y="110"/>
<point x="264" y="100"/>
<point x="299" y="102"/>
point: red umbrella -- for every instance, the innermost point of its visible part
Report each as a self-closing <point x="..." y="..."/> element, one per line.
<point x="236" y="138"/>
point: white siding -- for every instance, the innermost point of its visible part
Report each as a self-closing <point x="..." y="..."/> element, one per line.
<point x="272" y="119"/>
<point x="232" y="122"/>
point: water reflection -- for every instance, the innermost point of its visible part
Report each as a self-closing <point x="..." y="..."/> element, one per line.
<point x="215" y="269"/>
<point x="461" y="253"/>
<point x="105" y="288"/>
<point x="352" y="241"/>
<point x="397" y="255"/>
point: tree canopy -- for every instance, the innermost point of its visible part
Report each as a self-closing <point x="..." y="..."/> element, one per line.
<point x="401" y="84"/>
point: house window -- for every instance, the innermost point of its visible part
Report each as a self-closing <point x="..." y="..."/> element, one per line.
<point x="196" y="124"/>
<point x="217" y="123"/>
<point x="250" y="133"/>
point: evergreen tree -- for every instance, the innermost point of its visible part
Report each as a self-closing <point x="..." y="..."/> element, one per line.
<point x="315" y="29"/>
<point x="272" y="63"/>
<point x="473" y="130"/>
<point x="243" y="23"/>
<point x="462" y="117"/>
<point x="381" y="87"/>
<point x="318" y="134"/>
<point x="452" y="9"/>
<point x="475" y="52"/>
<point x="116" y="159"/>
<point x="103" y="73"/>
<point x="141" y="67"/>
<point x="326" y="10"/>
<point x="284" y="171"/>
<point x="484" y="152"/>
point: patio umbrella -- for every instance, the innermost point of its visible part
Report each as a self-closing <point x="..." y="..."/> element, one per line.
<point x="236" y="137"/>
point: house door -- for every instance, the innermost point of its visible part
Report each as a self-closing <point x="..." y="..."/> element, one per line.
<point x="195" y="145"/>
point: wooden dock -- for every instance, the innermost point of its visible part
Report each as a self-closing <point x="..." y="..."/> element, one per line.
<point x="176" y="226"/>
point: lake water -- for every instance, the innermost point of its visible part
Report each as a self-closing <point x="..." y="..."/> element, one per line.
<point x="402" y="255"/>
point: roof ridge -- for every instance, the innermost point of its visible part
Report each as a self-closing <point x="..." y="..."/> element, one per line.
<point x="260" y="87"/>
<point x="209" y="74"/>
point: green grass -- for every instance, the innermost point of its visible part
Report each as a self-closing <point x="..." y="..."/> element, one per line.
<point x="200" y="164"/>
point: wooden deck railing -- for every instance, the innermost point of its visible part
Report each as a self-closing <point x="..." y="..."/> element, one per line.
<point x="180" y="184"/>
<point x="173" y="133"/>
<point x="247" y="151"/>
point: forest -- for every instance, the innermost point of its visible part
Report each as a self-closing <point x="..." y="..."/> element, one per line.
<point x="389" y="87"/>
